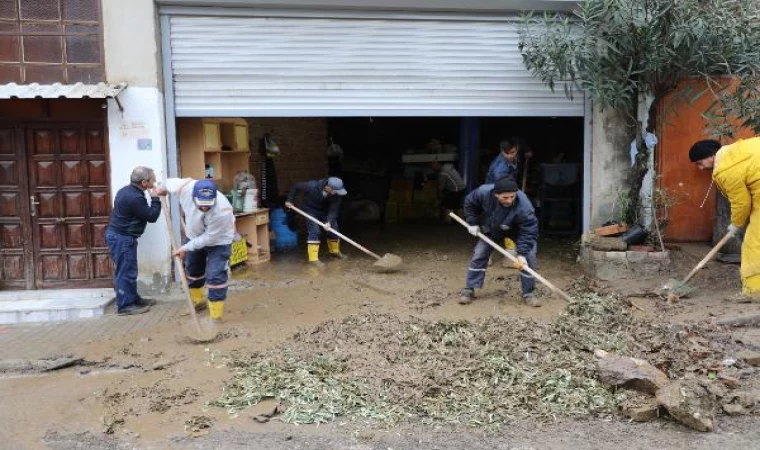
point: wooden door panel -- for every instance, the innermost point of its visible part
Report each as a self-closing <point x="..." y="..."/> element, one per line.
<point x="10" y="204"/>
<point x="42" y="142"/>
<point x="44" y="174"/>
<point x="96" y="173"/>
<point x="98" y="235"/>
<point x="95" y="142"/>
<point x="73" y="205"/>
<point x="77" y="268"/>
<point x="70" y="144"/>
<point x="9" y="173"/>
<point x="12" y="236"/>
<point x="102" y="266"/>
<point x="50" y="205"/>
<point x="49" y="236"/>
<point x="76" y="235"/>
<point x="72" y="173"/>
<point x="99" y="204"/>
<point x="50" y="269"/>
<point x="13" y="268"/>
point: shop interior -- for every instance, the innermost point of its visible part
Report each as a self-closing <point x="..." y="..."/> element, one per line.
<point x="386" y="164"/>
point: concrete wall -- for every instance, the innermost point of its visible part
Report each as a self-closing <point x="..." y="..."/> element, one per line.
<point x="137" y="136"/>
<point x="302" y="142"/>
<point x="610" y="162"/>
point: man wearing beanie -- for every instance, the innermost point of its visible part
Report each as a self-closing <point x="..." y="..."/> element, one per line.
<point x="497" y="210"/>
<point x="736" y="172"/>
<point x="321" y="200"/>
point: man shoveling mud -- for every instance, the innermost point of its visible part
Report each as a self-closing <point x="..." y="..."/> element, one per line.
<point x="321" y="200"/>
<point x="498" y="210"/>
<point x="736" y="172"/>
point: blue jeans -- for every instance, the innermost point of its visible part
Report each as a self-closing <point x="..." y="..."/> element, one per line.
<point x="124" y="255"/>
<point x="208" y="267"/>
<point x="476" y="273"/>
<point x="315" y="230"/>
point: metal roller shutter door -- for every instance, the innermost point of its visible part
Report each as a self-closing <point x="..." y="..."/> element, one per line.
<point x="317" y="66"/>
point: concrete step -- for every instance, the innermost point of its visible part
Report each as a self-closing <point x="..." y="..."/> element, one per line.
<point x="53" y="305"/>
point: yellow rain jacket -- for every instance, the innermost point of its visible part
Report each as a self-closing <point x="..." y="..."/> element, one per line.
<point x="737" y="175"/>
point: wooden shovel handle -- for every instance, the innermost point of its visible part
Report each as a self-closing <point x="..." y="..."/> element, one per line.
<point x="498" y="248"/>
<point x="335" y="232"/>
<point x="709" y="256"/>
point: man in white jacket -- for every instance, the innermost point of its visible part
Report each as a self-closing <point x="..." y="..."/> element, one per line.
<point x="210" y="229"/>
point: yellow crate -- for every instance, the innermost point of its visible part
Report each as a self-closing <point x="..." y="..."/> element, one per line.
<point x="239" y="252"/>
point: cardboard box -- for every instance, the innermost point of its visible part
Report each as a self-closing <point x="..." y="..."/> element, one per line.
<point x="239" y="252"/>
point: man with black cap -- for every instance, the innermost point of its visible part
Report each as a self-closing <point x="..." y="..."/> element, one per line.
<point x="321" y="199"/>
<point x="498" y="210"/>
<point x="736" y="172"/>
<point x="210" y="230"/>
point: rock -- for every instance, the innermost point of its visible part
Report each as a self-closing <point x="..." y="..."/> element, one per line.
<point x="733" y="409"/>
<point x="641" y="410"/>
<point x="750" y="357"/>
<point x="690" y="403"/>
<point x="628" y="372"/>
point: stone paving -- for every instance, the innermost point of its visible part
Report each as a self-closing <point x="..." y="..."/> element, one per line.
<point x="34" y="341"/>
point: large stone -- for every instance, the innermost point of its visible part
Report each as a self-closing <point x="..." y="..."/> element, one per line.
<point x="690" y="403"/>
<point x="632" y="373"/>
<point x="640" y="410"/>
<point x="741" y="402"/>
<point x="750" y="357"/>
<point x="608" y="244"/>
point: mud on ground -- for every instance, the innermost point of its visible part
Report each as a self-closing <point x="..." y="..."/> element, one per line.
<point x="152" y="390"/>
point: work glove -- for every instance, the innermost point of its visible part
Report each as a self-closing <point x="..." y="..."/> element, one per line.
<point x="521" y="263"/>
<point x="733" y="229"/>
<point x="473" y="229"/>
<point x="328" y="227"/>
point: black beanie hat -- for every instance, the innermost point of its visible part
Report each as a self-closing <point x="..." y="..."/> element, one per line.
<point x="703" y="149"/>
<point x="506" y="184"/>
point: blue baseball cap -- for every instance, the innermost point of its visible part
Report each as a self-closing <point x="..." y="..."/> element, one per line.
<point x="336" y="184"/>
<point x="204" y="193"/>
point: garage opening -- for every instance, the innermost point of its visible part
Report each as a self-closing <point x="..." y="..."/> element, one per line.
<point x="387" y="166"/>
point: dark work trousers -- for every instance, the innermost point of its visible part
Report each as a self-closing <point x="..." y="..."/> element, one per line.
<point x="208" y="267"/>
<point x="124" y="255"/>
<point x="314" y="230"/>
<point x="476" y="273"/>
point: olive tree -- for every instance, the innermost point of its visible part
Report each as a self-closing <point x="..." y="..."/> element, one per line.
<point x="626" y="54"/>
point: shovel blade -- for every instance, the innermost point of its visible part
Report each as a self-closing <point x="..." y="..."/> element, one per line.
<point x="388" y="262"/>
<point x="677" y="288"/>
<point x="205" y="331"/>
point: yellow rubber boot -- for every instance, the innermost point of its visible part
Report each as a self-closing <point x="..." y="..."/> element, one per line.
<point x="333" y="245"/>
<point x="216" y="310"/>
<point x="313" y="252"/>
<point x="198" y="295"/>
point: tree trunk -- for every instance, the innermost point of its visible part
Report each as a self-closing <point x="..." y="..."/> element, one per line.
<point x="722" y="220"/>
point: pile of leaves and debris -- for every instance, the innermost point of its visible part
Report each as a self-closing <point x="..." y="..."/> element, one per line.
<point x="387" y="369"/>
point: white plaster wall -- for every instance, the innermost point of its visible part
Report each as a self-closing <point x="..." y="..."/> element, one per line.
<point x="132" y="55"/>
<point x="143" y="119"/>
<point x="131" y="43"/>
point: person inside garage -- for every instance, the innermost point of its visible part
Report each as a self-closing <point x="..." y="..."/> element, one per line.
<point x="499" y="210"/>
<point x="321" y="200"/>
<point x="736" y="172"/>
<point x="450" y="188"/>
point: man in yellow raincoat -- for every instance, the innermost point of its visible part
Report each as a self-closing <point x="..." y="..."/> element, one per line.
<point x="736" y="172"/>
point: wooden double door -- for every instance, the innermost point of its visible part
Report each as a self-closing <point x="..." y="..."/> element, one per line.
<point x="54" y="205"/>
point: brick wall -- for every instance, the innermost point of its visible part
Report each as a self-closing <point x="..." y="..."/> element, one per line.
<point x="302" y="143"/>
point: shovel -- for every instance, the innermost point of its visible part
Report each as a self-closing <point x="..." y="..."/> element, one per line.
<point x="678" y="288"/>
<point x="387" y="262"/>
<point x="200" y="331"/>
<point x="501" y="250"/>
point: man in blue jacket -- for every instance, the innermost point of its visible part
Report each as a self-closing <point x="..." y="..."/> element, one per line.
<point x="131" y="214"/>
<point x="499" y="210"/>
<point x="321" y="199"/>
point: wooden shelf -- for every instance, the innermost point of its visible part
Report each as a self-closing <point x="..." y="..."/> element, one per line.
<point x="226" y="151"/>
<point x="255" y="228"/>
